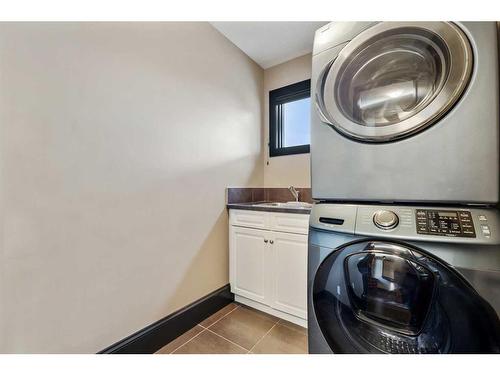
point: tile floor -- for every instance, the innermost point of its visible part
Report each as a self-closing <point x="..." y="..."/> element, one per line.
<point x="238" y="329"/>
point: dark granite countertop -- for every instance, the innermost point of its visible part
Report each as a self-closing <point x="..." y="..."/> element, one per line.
<point x="251" y="206"/>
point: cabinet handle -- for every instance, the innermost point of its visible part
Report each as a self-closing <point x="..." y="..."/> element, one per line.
<point x="271" y="242"/>
<point x="265" y="241"/>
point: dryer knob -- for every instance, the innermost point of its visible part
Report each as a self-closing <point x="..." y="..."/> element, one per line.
<point x="385" y="219"/>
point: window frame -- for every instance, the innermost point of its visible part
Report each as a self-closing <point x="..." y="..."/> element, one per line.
<point x="277" y="97"/>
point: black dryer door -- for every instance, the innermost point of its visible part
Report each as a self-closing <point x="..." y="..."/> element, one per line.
<point x="386" y="297"/>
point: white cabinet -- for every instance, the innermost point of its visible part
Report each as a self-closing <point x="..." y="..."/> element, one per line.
<point x="268" y="262"/>
<point x="249" y="249"/>
<point x="289" y="273"/>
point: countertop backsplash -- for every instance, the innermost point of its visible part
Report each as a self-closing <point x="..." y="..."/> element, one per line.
<point x="247" y="195"/>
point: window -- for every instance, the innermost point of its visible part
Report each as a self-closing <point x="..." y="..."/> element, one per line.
<point x="289" y="119"/>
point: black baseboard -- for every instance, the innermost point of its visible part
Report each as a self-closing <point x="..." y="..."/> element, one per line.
<point x="153" y="337"/>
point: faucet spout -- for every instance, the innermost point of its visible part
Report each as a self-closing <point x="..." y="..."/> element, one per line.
<point x="294" y="192"/>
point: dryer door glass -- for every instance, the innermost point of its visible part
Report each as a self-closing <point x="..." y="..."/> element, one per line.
<point x="385" y="297"/>
<point x="395" y="79"/>
<point x="391" y="79"/>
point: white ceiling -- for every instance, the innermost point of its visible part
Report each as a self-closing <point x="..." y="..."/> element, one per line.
<point x="270" y="43"/>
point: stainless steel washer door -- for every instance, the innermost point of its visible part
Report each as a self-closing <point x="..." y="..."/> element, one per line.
<point x="394" y="80"/>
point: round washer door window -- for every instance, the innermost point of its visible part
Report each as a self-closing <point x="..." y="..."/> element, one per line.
<point x="374" y="296"/>
<point x="395" y="79"/>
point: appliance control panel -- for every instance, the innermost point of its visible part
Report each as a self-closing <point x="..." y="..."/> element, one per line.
<point x="466" y="225"/>
<point x="445" y="223"/>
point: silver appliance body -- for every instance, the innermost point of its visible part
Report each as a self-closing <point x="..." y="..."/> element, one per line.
<point x="462" y="240"/>
<point x="405" y="112"/>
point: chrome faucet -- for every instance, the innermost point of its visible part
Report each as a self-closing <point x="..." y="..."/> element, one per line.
<point x="294" y="192"/>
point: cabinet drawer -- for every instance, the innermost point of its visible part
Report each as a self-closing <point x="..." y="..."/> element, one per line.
<point x="292" y="223"/>
<point x="247" y="218"/>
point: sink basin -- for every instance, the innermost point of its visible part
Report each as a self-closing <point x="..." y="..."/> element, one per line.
<point x="303" y="205"/>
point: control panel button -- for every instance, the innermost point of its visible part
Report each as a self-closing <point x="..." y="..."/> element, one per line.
<point x="482" y="218"/>
<point x="486" y="230"/>
<point x="385" y="219"/>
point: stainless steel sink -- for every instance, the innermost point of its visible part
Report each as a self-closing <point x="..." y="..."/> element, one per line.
<point x="299" y="205"/>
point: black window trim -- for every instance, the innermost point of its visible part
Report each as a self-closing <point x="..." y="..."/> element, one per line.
<point x="295" y="91"/>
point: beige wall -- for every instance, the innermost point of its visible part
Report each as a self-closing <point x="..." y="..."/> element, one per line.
<point x="282" y="171"/>
<point x="116" y="144"/>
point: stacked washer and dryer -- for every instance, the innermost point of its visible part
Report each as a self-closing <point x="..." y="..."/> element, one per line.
<point x="404" y="244"/>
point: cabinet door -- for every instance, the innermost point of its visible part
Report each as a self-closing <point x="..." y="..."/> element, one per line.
<point x="249" y="262"/>
<point x="289" y="270"/>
